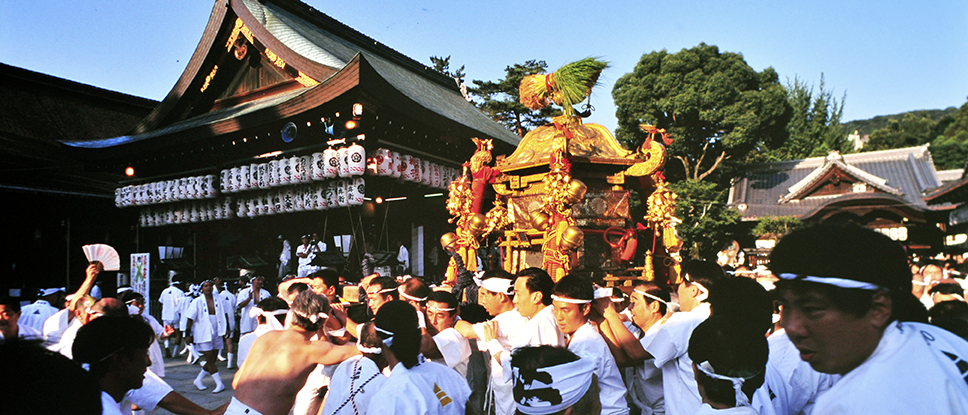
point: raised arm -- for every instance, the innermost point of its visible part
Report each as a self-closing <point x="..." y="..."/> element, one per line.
<point x="632" y="352"/>
<point x="330" y="354"/>
<point x="85" y="289"/>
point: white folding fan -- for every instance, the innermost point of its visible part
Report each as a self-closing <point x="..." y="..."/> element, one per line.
<point x="105" y="254"/>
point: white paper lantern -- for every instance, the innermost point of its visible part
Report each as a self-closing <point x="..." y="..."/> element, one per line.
<point x="384" y="161"/>
<point x="289" y="200"/>
<point x="306" y="169"/>
<point x="272" y="173"/>
<point x="332" y="195"/>
<point x="299" y="199"/>
<point x="406" y="167"/>
<point x="318" y="167"/>
<point x="223" y="182"/>
<point x="117" y="196"/>
<point x="344" y="167"/>
<point x="425" y="172"/>
<point x="331" y="163"/>
<point x="263" y="175"/>
<point x="275" y="202"/>
<point x="355" y="160"/>
<point x="319" y="196"/>
<point x="396" y="170"/>
<point x="356" y="190"/>
<point x="342" y="199"/>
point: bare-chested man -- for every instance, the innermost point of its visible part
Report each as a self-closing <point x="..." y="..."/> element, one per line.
<point x="280" y="361"/>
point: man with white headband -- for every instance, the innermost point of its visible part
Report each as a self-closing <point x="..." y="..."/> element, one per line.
<point x="379" y="291"/>
<point x="649" y="308"/>
<point x="532" y="298"/>
<point x="280" y="361"/>
<point x="415" y="386"/>
<point x="356" y="380"/>
<point x="495" y="294"/>
<point x="572" y="298"/>
<point x="271" y="315"/>
<point x="49" y="301"/>
<point x="846" y="304"/>
<point x="207" y="323"/>
<point x="170" y="299"/>
<point x="670" y="344"/>
<point x="248" y="297"/>
<point x="446" y="344"/>
<point x="552" y="380"/>
<point x="729" y="359"/>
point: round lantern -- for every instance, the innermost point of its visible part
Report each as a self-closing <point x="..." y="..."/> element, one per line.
<point x="355" y="160"/>
<point x="571" y="238"/>
<point x="331" y="163"/>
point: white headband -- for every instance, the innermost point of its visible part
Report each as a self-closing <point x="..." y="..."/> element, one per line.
<point x="387" y="341"/>
<point x="271" y="321"/>
<point x="408" y="296"/>
<point x="384" y="291"/>
<point x="836" y="282"/>
<point x="656" y="298"/>
<point x="569" y="300"/>
<point x="440" y="309"/>
<point x="361" y="347"/>
<point x="569" y="381"/>
<point x="741" y="398"/>
<point x="602" y="292"/>
<point x="313" y="318"/>
<point x="496" y="285"/>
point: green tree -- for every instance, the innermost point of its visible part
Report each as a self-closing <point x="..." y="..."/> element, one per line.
<point x="913" y="129"/>
<point x="500" y="99"/>
<point x="776" y="226"/>
<point x="717" y="108"/>
<point x="956" y="130"/>
<point x="707" y="224"/>
<point x="814" y="128"/>
<point x="442" y="65"/>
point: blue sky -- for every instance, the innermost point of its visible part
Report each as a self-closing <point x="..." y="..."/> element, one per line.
<point x="889" y="56"/>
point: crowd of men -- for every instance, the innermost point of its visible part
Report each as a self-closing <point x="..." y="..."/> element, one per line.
<point x="845" y="323"/>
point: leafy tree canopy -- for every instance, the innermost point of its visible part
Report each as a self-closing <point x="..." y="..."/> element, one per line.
<point x="715" y="105"/>
<point x="500" y="99"/>
<point x="707" y="224"/>
<point x="814" y="127"/>
<point x="776" y="226"/>
<point x="442" y="65"/>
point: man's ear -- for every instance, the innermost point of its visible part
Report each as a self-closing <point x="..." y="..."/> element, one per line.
<point x="537" y="297"/>
<point x="586" y="309"/>
<point x="881" y="309"/>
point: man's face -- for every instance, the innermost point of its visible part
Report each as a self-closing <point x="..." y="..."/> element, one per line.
<point x="688" y="293"/>
<point x="315" y="237"/>
<point x="570" y="316"/>
<point x="217" y="282"/>
<point x="257" y="283"/>
<point x="491" y="301"/>
<point x="8" y="320"/>
<point x="438" y="317"/>
<point x="830" y="340"/>
<point x="320" y="287"/>
<point x="644" y="314"/>
<point x="305" y="241"/>
<point x="523" y="300"/>
<point x="376" y="300"/>
<point x="133" y="367"/>
<point x="207" y="288"/>
<point x="932" y="274"/>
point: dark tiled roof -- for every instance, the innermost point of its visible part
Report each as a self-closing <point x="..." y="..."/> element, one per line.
<point x="909" y="170"/>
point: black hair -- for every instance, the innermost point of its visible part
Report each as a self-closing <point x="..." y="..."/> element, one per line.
<point x="538" y="281"/>
<point x="329" y="276"/>
<point x="951" y="315"/>
<point x="129" y="295"/>
<point x="705" y="273"/>
<point x="12" y="304"/>
<point x="273" y="304"/>
<point x="400" y="319"/>
<point x="297" y="288"/>
<point x="851" y="252"/>
<point x="446" y="298"/>
<point x="473" y="313"/>
<point x="532" y="358"/>
<point x="654" y="289"/>
<point x="105" y="336"/>
<point x="415" y="287"/>
<point x="947" y="289"/>
<point x="744" y="299"/>
<point x="733" y="348"/>
<point x="576" y="287"/>
<point x="387" y="283"/>
<point x="369" y="336"/>
<point x="306" y="305"/>
<point x="46" y="382"/>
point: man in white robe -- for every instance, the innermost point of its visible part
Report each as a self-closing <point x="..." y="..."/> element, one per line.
<point x="9" y="321"/>
<point x="49" y="302"/>
<point x="248" y="297"/>
<point x="446" y="345"/>
<point x="356" y="381"/>
<point x="415" y="386"/>
<point x="846" y="305"/>
<point x="271" y="315"/>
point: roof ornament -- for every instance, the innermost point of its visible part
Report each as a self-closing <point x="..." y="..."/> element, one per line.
<point x="834" y="155"/>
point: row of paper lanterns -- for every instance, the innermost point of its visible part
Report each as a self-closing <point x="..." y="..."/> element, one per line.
<point x="331" y="163"/>
<point x="312" y="197"/>
<point x="384" y="162"/>
<point x="165" y="191"/>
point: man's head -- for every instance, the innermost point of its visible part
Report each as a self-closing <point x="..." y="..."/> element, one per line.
<point x="441" y="310"/>
<point x="380" y="291"/>
<point x="947" y="292"/>
<point x="744" y="299"/>
<point x="697" y="278"/>
<point x="572" y="297"/>
<point x="396" y="324"/>
<point x="310" y="310"/>
<point x="728" y="353"/>
<point x="951" y="316"/>
<point x="294" y="290"/>
<point x="315" y="237"/>
<point x="370" y="344"/>
<point x="496" y="291"/>
<point x="44" y="382"/>
<point x="273" y="306"/>
<point x="325" y="282"/>
<point x="532" y="291"/>
<point x="553" y="380"/>
<point x="115" y="348"/>
<point x="134" y="301"/>
<point x="208" y="286"/>
<point x="839" y="286"/>
<point x="932" y="273"/>
<point x="9" y="314"/>
<point x="257" y="282"/>
<point x="53" y="296"/>
<point x="306" y="239"/>
<point x="105" y="307"/>
<point x="648" y="303"/>
<point x="414" y="291"/>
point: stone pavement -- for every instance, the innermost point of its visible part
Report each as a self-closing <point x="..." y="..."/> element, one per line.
<point x="180" y="375"/>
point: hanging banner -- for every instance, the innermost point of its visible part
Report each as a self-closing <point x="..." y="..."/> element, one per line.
<point x="140" y="276"/>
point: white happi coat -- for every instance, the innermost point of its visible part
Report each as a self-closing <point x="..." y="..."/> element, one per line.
<point x="34" y="315"/>
<point x="644" y="382"/>
<point x="455" y="349"/>
<point x="915" y="369"/>
<point x="169" y="298"/>
<point x="246" y="322"/>
<point x="202" y="329"/>
<point x="790" y="385"/>
<point x="509" y="324"/>
<point x="429" y="388"/>
<point x="670" y="347"/>
<point x="588" y="344"/>
<point x="354" y="384"/>
<point x="56" y="324"/>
